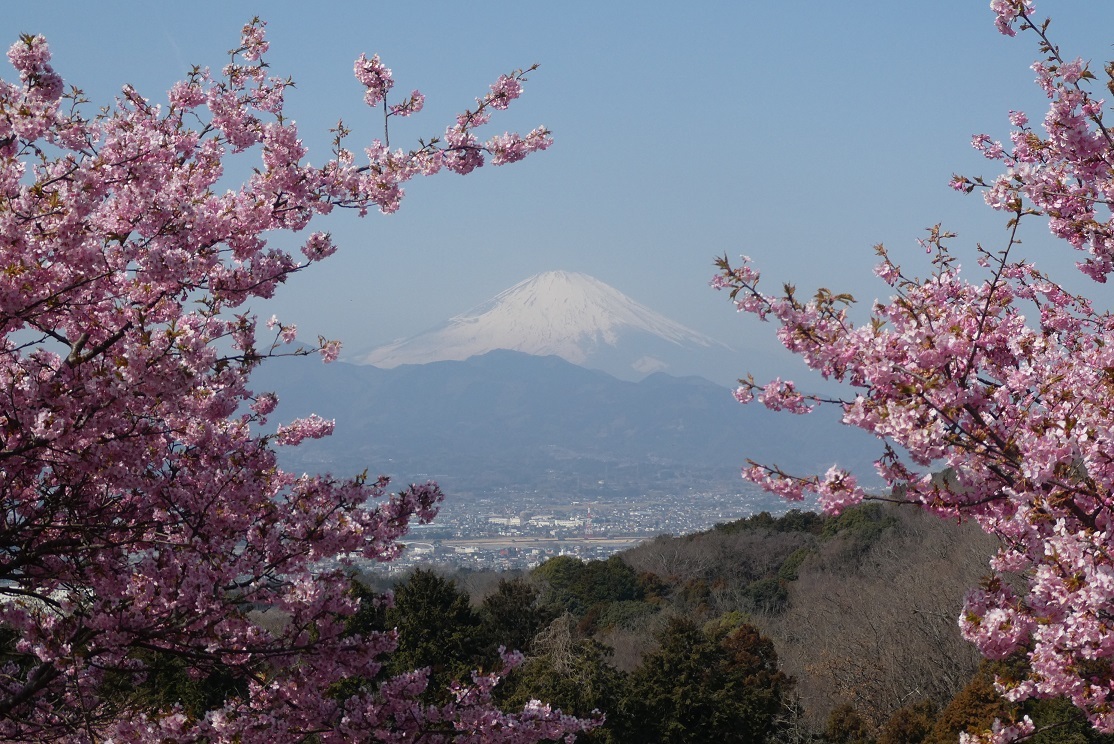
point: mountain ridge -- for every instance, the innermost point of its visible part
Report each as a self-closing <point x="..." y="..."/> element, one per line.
<point x="507" y="418"/>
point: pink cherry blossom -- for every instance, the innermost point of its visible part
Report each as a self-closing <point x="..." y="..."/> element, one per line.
<point x="783" y="396"/>
<point x="375" y="77"/>
<point x="411" y="105"/>
<point x="1000" y="733"/>
<point x="330" y="350"/>
<point x="1008" y="11"/>
<point x="253" y="42"/>
<point x="144" y="510"/>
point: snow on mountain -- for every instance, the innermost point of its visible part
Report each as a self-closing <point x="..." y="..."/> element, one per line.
<point x="566" y="314"/>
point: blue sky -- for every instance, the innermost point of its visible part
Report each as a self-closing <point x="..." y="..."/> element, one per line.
<point x="800" y="133"/>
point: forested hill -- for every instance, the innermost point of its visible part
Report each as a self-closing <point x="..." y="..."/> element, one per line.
<point x="802" y="628"/>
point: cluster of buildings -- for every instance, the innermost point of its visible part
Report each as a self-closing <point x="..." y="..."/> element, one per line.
<point x="518" y="530"/>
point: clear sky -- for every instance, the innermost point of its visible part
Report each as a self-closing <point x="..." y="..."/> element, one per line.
<point x="800" y="133"/>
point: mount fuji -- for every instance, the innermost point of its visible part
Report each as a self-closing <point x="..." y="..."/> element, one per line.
<point x="566" y="314"/>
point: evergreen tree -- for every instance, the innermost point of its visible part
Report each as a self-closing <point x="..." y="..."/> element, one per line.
<point x="573" y="673"/>
<point x="437" y="628"/>
<point x="511" y="615"/>
<point x="715" y="684"/>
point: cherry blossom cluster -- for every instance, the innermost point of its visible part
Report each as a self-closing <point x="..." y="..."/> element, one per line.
<point x="1064" y="173"/>
<point x="375" y="77"/>
<point x="992" y="394"/>
<point x="143" y="514"/>
<point x="1008" y="12"/>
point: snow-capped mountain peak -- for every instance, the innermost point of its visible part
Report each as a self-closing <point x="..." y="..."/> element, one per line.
<point x="562" y="313"/>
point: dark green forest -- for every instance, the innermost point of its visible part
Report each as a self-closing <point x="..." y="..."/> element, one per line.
<point x="799" y="628"/>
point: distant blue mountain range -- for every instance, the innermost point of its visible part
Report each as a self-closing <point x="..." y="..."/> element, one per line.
<point x="512" y="420"/>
